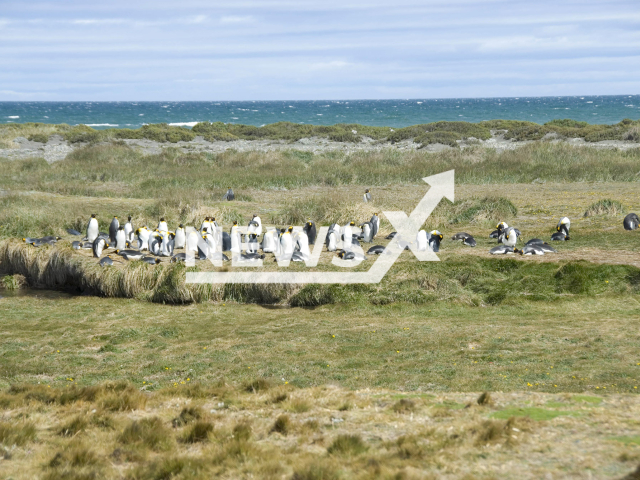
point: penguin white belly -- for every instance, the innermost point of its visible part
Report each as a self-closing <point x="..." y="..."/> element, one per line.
<point x="192" y="242"/>
<point x="180" y="239"/>
<point x="121" y="240"/>
<point x="128" y="231"/>
<point x="421" y="240"/>
<point x="235" y="241"/>
<point x="92" y="230"/>
<point x="333" y="241"/>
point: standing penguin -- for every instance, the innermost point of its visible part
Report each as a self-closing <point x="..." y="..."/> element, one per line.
<point x="310" y="229"/>
<point x="229" y="196"/>
<point x="421" y="240"/>
<point x="128" y="229"/>
<point x="347" y="235"/>
<point x="99" y="244"/>
<point x="192" y="242"/>
<point x="121" y="239"/>
<point x="143" y="238"/>
<point x="435" y="237"/>
<point x="162" y="225"/>
<point x="235" y="238"/>
<point x="257" y="223"/>
<point x="113" y="229"/>
<point x="367" y="232"/>
<point x="286" y="242"/>
<point x="269" y="241"/>
<point x="155" y="241"/>
<point x="375" y="221"/>
<point x="367" y="196"/>
<point x="92" y="228"/>
<point x="180" y="239"/>
<point x="631" y="222"/>
<point x="332" y="240"/>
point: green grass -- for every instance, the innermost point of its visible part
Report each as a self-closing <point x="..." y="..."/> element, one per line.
<point x="52" y="341"/>
<point x="628" y="440"/>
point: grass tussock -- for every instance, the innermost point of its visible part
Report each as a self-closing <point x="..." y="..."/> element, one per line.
<point x="318" y="470"/>
<point x="74" y="426"/>
<point x="188" y="415"/>
<point x="347" y="445"/>
<point x="258" y="385"/>
<point x="17" y="433"/>
<point x="605" y="207"/>
<point x="13" y="282"/>
<point x="198" y="432"/>
<point x="404" y="405"/>
<point x="282" y="425"/>
<point x="148" y="433"/>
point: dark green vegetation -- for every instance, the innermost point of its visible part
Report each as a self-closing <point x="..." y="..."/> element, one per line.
<point x="447" y="133"/>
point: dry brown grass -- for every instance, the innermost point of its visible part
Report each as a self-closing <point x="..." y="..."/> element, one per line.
<point x="368" y="442"/>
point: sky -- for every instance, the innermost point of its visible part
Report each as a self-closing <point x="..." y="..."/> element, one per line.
<point x="67" y="50"/>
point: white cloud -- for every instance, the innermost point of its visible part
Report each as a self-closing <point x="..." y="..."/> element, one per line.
<point x="198" y="19"/>
<point x="236" y="19"/>
<point x="335" y="64"/>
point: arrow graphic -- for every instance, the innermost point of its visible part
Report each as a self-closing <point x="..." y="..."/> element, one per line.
<point x="442" y="186"/>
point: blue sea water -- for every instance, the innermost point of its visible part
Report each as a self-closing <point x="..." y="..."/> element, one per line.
<point x="391" y="113"/>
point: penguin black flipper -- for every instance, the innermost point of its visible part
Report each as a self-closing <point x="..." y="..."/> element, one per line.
<point x="494" y="234"/>
<point x="391" y="236"/>
<point x="71" y="231"/>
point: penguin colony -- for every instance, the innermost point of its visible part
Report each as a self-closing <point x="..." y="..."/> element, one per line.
<point x="210" y="240"/>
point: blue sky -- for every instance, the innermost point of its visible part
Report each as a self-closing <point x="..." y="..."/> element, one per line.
<point x="298" y="50"/>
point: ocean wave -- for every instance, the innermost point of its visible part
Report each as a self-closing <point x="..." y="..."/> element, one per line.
<point x="102" y="125"/>
<point x="13" y="116"/>
<point x="183" y="124"/>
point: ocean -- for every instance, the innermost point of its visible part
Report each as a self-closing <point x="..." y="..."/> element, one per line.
<point x="391" y="113"/>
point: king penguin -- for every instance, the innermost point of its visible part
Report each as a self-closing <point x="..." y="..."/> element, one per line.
<point x="162" y="225"/>
<point x="229" y="196"/>
<point x="92" y="228"/>
<point x="310" y="229"/>
<point x="180" y="238"/>
<point x="99" y="244"/>
<point x="631" y="222"/>
<point x="128" y="229"/>
<point x="113" y="229"/>
<point x="375" y="221"/>
<point x="367" y="196"/>
<point x="121" y="239"/>
<point x="435" y="237"/>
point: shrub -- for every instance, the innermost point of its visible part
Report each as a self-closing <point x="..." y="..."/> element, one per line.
<point x="39" y="137"/>
<point x="605" y="207"/>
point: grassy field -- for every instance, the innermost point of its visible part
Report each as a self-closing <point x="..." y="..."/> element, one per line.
<point x="382" y="381"/>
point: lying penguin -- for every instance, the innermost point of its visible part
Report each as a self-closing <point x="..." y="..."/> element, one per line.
<point x="532" y="249"/>
<point x="631" y="222"/>
<point x="503" y="250"/>
<point x="346" y="255"/>
<point x="465" y="238"/>
<point x="541" y="244"/>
